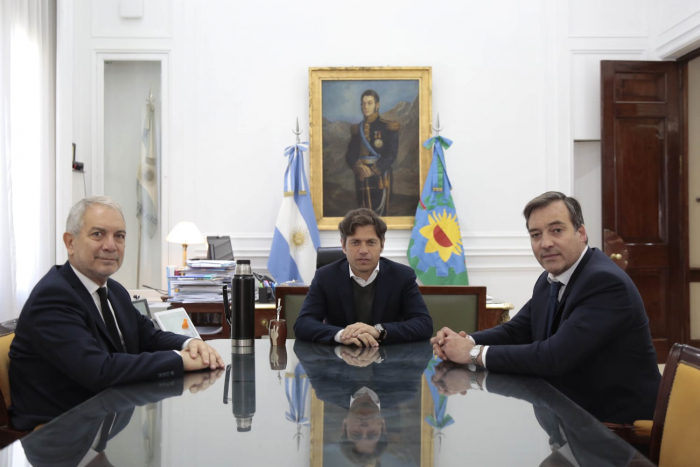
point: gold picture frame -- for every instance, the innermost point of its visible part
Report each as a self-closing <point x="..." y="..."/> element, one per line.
<point x="335" y="187"/>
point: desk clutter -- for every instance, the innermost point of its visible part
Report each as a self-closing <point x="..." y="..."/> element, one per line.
<point x="200" y="281"/>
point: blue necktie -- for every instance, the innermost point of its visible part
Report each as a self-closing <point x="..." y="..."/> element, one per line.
<point x="553" y="301"/>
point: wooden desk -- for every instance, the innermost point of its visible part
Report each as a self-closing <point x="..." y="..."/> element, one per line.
<point x="212" y="314"/>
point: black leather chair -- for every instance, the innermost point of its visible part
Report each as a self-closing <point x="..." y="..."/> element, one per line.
<point x="328" y="254"/>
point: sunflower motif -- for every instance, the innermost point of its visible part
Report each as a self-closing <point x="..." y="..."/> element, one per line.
<point x="443" y="235"/>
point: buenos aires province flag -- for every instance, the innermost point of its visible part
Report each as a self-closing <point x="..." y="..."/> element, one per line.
<point x="435" y="251"/>
<point x="296" y="238"/>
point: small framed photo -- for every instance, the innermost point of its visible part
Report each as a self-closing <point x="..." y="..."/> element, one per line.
<point x="367" y="126"/>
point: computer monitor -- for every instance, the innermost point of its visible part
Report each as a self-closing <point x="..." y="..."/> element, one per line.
<point x="142" y="305"/>
<point x="219" y="248"/>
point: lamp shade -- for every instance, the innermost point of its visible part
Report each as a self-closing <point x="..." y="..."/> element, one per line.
<point x="185" y="233"/>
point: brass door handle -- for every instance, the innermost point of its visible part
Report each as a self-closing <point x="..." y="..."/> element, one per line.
<point x="264" y="322"/>
<point x="616" y="256"/>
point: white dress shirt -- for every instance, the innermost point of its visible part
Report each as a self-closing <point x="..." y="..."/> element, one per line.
<point x="92" y="287"/>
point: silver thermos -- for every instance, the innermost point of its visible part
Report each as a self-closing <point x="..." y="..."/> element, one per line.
<point x="242" y="314"/>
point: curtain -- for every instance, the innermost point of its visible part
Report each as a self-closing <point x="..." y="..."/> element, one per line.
<point x="27" y="148"/>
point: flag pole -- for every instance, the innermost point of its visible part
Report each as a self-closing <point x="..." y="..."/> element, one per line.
<point x="138" y="261"/>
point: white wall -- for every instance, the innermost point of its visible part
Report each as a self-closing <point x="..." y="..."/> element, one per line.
<point x="515" y="83"/>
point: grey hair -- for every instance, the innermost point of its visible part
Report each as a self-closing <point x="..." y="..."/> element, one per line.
<point x="74" y="223"/>
<point x="545" y="199"/>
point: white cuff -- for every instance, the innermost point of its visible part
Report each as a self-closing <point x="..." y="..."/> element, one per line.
<point x="337" y="336"/>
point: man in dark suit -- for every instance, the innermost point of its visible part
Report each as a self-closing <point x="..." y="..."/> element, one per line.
<point x="585" y="326"/>
<point x="363" y="299"/>
<point x="78" y="333"/>
<point x="374" y="145"/>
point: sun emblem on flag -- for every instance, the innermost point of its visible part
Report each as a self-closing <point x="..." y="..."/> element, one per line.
<point x="443" y="235"/>
<point x="299" y="238"/>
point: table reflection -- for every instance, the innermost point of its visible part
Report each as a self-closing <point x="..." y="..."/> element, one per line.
<point x="319" y="405"/>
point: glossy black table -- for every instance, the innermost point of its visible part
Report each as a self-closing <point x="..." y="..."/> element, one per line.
<point x="319" y="405"/>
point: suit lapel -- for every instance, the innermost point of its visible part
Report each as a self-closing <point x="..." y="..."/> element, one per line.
<point x="347" y="300"/>
<point x="67" y="272"/>
<point x="540" y="303"/>
<point x="122" y="321"/>
<point x="569" y="288"/>
<point x="380" y="292"/>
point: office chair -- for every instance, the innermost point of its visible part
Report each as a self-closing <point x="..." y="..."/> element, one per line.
<point x="461" y="308"/>
<point x="219" y="248"/>
<point x="8" y="434"/>
<point x="291" y="298"/>
<point x="327" y="255"/>
<point x="676" y="428"/>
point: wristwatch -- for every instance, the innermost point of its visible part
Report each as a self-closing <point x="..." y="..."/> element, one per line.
<point x="474" y="353"/>
<point x="382" y="332"/>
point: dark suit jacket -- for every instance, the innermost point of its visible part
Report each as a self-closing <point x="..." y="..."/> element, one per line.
<point x="601" y="349"/>
<point x="398" y="304"/>
<point x="62" y="354"/>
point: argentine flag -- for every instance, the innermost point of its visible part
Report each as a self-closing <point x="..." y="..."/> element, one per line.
<point x="294" y="244"/>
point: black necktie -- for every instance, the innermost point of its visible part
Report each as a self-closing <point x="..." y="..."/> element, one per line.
<point x="553" y="301"/>
<point x="109" y="319"/>
<point x="104" y="432"/>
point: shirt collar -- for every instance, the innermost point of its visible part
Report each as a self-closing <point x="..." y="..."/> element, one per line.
<point x="360" y="280"/>
<point x="89" y="284"/>
<point x="565" y="276"/>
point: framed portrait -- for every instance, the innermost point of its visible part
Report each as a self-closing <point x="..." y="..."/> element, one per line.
<point x="367" y="126"/>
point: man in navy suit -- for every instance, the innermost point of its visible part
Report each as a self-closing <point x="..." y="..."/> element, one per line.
<point x="584" y="329"/>
<point x="363" y="299"/>
<point x="78" y="333"/>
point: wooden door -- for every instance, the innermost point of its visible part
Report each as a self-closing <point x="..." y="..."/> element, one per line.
<point x="641" y="183"/>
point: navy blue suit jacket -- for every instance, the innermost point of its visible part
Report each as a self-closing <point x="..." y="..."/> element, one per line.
<point x="601" y="349"/>
<point x="62" y="354"/>
<point x="398" y="304"/>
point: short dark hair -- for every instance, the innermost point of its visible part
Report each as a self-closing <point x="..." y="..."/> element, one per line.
<point x="545" y="199"/>
<point x="359" y="218"/>
<point x="370" y="92"/>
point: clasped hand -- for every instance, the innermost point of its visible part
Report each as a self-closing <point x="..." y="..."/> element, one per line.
<point x="360" y="357"/>
<point x="450" y="378"/>
<point x="360" y="334"/>
<point x="452" y="346"/>
<point x="199" y="355"/>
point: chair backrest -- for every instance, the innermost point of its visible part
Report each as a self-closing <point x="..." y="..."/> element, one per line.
<point x="459" y="307"/>
<point x="328" y="254"/>
<point x="675" y="435"/>
<point x="5" y="341"/>
<point x="291" y="298"/>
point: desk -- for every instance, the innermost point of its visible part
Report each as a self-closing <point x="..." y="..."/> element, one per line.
<point x="295" y="416"/>
<point x="212" y="314"/>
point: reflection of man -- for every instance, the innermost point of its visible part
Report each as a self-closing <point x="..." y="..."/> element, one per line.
<point x="374" y="144"/>
<point x="584" y="328"/>
<point x="363" y="299"/>
<point x="370" y="383"/>
<point x="83" y="434"/>
<point x="78" y="332"/>
<point x="574" y="436"/>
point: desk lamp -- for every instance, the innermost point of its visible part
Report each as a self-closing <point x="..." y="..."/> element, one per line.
<point x="185" y="233"/>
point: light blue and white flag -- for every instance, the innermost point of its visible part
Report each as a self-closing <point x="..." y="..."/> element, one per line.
<point x="294" y="244"/>
<point x="147" y="176"/>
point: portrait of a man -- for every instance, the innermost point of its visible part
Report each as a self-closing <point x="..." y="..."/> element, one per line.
<point x="374" y="143"/>
<point x="367" y="126"/>
<point x="371" y="147"/>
